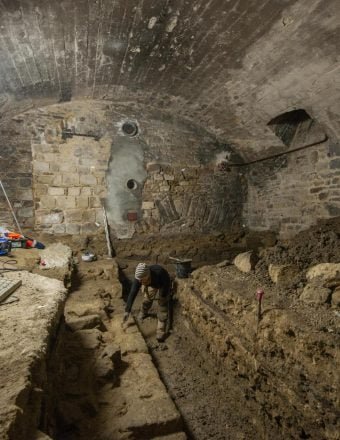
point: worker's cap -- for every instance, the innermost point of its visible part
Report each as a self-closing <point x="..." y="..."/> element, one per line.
<point x="142" y="270"/>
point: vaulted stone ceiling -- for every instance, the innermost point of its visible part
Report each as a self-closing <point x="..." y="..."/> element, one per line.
<point x="229" y="66"/>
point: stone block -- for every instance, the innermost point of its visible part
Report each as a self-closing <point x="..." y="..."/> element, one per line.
<point x="90" y="216"/>
<point x="56" y="191"/>
<point x="70" y="179"/>
<point x="54" y="167"/>
<point x="86" y="191"/>
<point x="40" y="167"/>
<point x="169" y="177"/>
<point x="83" y="170"/>
<point x="45" y="179"/>
<point x="84" y="322"/>
<point x="25" y="194"/>
<point x="72" y="229"/>
<point x="99" y="215"/>
<point x="41" y="189"/>
<point x="158" y="177"/>
<point x="148" y="205"/>
<point x="324" y="271"/>
<point x="40" y="212"/>
<point x="246" y="261"/>
<point x="57" y="179"/>
<point x="101" y="165"/>
<point x="103" y="369"/>
<point x="333" y="210"/>
<point x="88" y="179"/>
<point x="82" y="202"/>
<point x="48" y="157"/>
<point x="283" y="274"/>
<point x="68" y="167"/>
<point x="334" y="149"/>
<point x="59" y="229"/>
<point x="47" y="202"/>
<point x="334" y="164"/>
<point x="74" y="191"/>
<point x="65" y="202"/>
<point x="94" y="202"/>
<point x="153" y="167"/>
<point x="25" y="182"/>
<point x="73" y="215"/>
<point x="101" y="179"/>
<point x="53" y="218"/>
<point x="26" y="212"/>
<point x="150" y="409"/>
<point x="100" y="191"/>
<point x="113" y="352"/>
<point x="89" y="228"/>
<point x="336" y="297"/>
<point x="314" y="293"/>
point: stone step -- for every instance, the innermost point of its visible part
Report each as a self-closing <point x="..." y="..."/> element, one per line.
<point x="141" y="403"/>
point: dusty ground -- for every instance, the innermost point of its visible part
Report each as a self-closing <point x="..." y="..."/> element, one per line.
<point x="230" y="376"/>
<point x="211" y="402"/>
<point x="295" y="349"/>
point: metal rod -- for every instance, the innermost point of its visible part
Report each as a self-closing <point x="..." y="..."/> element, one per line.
<point x="10" y="207"/>
<point x="107" y="235"/>
<point x="284" y="153"/>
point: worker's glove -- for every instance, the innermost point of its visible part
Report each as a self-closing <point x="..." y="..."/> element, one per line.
<point x="126" y="316"/>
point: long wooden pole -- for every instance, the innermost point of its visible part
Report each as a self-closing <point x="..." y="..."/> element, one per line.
<point x="10" y="207"/>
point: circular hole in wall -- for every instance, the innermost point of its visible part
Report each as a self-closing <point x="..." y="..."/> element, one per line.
<point x="130" y="128"/>
<point x="131" y="184"/>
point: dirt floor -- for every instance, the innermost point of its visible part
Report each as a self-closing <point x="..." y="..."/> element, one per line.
<point x="212" y="403"/>
<point x="217" y="402"/>
<point x="230" y="375"/>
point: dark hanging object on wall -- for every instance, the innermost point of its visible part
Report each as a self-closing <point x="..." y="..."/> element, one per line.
<point x="130" y="128"/>
<point x="68" y="133"/>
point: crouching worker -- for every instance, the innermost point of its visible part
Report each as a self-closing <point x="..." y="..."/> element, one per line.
<point x="154" y="279"/>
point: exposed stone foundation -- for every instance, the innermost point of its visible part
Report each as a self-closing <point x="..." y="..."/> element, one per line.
<point x="289" y="357"/>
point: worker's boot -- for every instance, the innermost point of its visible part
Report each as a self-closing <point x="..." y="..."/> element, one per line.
<point x="161" y="332"/>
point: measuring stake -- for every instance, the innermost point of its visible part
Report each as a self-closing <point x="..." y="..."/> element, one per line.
<point x="259" y="296"/>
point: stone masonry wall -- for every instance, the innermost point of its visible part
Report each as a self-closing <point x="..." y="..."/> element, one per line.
<point x="62" y="188"/>
<point x="199" y="198"/>
<point x="184" y="188"/>
<point x="16" y="175"/>
<point x="290" y="193"/>
<point x="69" y="180"/>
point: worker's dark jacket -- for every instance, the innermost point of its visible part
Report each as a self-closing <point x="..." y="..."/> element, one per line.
<point x="160" y="279"/>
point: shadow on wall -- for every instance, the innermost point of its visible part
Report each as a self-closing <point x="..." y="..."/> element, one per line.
<point x="125" y="178"/>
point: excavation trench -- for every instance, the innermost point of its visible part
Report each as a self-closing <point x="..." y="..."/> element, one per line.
<point x="230" y="376"/>
<point x="93" y="389"/>
<point x="71" y="369"/>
